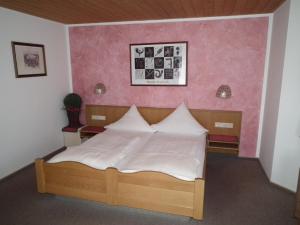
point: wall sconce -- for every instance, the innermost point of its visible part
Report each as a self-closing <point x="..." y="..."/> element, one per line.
<point x="223" y="91"/>
<point x="100" y="89"/>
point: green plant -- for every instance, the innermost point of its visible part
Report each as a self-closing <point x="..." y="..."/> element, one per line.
<point x="72" y="100"/>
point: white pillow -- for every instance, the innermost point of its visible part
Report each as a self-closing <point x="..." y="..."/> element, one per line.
<point x="131" y="121"/>
<point x="180" y="121"/>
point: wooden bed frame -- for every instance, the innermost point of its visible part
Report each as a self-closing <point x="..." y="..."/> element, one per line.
<point x="147" y="190"/>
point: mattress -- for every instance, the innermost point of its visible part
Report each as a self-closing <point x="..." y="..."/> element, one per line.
<point x="181" y="156"/>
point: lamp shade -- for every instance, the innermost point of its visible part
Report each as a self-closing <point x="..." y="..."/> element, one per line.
<point x="224" y="91"/>
<point x="100" y="89"/>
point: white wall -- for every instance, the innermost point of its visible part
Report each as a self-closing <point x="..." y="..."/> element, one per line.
<point x="286" y="161"/>
<point x="276" y="60"/>
<point x="31" y="117"/>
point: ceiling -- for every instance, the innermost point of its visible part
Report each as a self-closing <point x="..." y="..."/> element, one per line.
<point x="97" y="11"/>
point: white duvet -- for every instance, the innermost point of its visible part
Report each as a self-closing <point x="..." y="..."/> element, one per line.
<point x="104" y="149"/>
<point x="181" y="156"/>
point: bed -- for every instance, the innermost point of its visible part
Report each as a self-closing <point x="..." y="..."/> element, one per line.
<point x="150" y="190"/>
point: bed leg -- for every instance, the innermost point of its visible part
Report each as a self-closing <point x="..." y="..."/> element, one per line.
<point x="198" y="199"/>
<point x="40" y="175"/>
<point x="111" y="185"/>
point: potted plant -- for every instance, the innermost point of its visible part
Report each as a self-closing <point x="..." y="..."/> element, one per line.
<point x="72" y="103"/>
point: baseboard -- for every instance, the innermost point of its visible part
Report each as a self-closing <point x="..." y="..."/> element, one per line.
<point x="248" y="158"/>
<point x="232" y="155"/>
<point x="14" y="173"/>
<point x="48" y="156"/>
<point x="282" y="188"/>
<point x="274" y="184"/>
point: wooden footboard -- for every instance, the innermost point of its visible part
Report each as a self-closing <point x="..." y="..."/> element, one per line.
<point x="148" y="190"/>
<point x="160" y="192"/>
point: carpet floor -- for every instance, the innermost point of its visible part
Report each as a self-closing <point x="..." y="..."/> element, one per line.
<point x="237" y="193"/>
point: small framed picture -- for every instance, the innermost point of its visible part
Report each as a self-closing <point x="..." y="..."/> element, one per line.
<point x="29" y="59"/>
<point x="159" y="64"/>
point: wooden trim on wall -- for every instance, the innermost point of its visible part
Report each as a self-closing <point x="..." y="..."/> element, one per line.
<point x="206" y="118"/>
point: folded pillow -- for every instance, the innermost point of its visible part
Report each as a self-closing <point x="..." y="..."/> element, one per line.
<point x="131" y="121"/>
<point x="180" y="121"/>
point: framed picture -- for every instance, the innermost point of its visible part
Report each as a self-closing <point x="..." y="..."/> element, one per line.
<point x="159" y="64"/>
<point x="29" y="59"/>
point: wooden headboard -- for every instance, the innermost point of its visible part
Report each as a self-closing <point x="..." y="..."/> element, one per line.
<point x="207" y="118"/>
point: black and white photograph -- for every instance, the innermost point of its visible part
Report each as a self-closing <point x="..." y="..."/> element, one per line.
<point x="29" y="59"/>
<point x="163" y="64"/>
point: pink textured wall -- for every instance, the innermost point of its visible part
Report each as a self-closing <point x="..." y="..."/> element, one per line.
<point x="219" y="52"/>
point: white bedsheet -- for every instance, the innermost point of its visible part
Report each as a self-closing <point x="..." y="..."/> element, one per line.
<point x="181" y="156"/>
<point x="104" y="149"/>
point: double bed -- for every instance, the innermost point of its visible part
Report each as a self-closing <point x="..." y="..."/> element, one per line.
<point x="154" y="171"/>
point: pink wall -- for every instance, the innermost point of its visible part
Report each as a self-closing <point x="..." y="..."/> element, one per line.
<point x="219" y="52"/>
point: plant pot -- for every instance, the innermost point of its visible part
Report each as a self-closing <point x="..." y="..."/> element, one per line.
<point x="73" y="117"/>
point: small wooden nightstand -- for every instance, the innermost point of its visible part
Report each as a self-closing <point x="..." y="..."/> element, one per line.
<point x="223" y="144"/>
<point x="89" y="131"/>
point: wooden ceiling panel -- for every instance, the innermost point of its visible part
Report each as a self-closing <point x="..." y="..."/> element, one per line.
<point x="97" y="11"/>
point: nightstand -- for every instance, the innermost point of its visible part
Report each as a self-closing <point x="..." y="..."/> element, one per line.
<point x="223" y="144"/>
<point x="89" y="131"/>
<point x="71" y="136"/>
